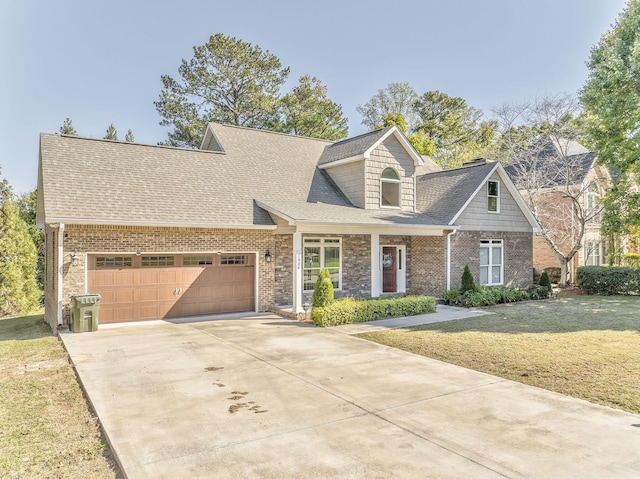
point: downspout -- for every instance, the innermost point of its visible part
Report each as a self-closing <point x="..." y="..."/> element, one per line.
<point x="60" y="270"/>
<point x="449" y="258"/>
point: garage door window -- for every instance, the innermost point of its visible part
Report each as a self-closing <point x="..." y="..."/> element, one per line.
<point x="157" y="261"/>
<point x="113" y="261"/>
<point x="233" y="259"/>
<point x="197" y="260"/>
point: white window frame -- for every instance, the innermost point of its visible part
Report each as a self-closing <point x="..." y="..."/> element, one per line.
<point x="592" y="202"/>
<point x="321" y="242"/>
<point x="592" y="253"/>
<point x="397" y="181"/>
<point x="496" y="196"/>
<point x="490" y="244"/>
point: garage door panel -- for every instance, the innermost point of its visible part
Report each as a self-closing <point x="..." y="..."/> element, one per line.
<point x="124" y="295"/>
<point x="102" y="278"/>
<point x="124" y="278"/>
<point x="145" y="293"/>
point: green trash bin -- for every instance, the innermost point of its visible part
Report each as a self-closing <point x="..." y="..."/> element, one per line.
<point x="84" y="312"/>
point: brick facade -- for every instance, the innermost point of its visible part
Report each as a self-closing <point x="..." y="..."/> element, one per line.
<point x="517" y="253"/>
<point x="428" y="265"/>
<point x="112" y="239"/>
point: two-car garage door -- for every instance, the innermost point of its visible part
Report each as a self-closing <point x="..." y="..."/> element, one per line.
<point x="144" y="287"/>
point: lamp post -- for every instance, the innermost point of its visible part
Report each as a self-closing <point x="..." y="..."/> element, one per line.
<point x="306" y="306"/>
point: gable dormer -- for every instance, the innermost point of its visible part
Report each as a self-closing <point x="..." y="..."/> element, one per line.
<point x="376" y="170"/>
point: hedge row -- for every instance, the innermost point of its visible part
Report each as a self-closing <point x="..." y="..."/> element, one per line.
<point x="490" y="295"/>
<point x="608" y="280"/>
<point x="352" y="310"/>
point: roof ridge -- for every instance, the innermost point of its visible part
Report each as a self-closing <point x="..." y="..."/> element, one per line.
<point x="363" y="135"/>
<point x="127" y="143"/>
<point x="263" y="130"/>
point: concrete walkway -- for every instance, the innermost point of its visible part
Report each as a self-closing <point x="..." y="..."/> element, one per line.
<point x="443" y="313"/>
<point x="267" y="397"/>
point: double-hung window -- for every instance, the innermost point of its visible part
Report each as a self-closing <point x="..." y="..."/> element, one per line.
<point x="322" y="253"/>
<point x="491" y="262"/>
<point x="493" y="196"/>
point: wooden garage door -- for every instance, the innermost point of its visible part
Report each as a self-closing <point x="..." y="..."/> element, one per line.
<point x="138" y="288"/>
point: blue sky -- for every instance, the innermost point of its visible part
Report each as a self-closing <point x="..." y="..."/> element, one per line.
<point x="101" y="62"/>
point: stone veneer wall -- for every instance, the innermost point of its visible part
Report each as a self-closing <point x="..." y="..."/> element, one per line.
<point x="113" y="239"/>
<point x="517" y="253"/>
<point x="428" y="265"/>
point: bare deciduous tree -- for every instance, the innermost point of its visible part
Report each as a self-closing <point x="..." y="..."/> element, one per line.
<point x="554" y="173"/>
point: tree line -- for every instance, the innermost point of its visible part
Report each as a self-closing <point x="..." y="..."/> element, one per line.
<point x="232" y="81"/>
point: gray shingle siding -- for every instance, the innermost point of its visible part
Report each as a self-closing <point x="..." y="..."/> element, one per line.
<point x="509" y="218"/>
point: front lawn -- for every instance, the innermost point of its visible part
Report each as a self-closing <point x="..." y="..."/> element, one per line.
<point x="583" y="346"/>
<point x="46" y="429"/>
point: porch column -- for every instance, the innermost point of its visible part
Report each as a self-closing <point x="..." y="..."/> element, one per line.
<point x="297" y="273"/>
<point x="375" y="265"/>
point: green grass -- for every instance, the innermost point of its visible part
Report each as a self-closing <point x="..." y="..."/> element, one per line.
<point x="46" y="428"/>
<point x="582" y="346"/>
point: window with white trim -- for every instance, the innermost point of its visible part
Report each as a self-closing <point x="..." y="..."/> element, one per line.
<point x="390" y="188"/>
<point x="493" y="196"/>
<point x="322" y="253"/>
<point x="593" y="204"/>
<point x="592" y="253"/>
<point x="491" y="262"/>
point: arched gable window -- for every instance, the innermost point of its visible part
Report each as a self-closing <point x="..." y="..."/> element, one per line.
<point x="390" y="188"/>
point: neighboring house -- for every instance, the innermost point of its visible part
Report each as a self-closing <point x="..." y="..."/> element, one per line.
<point x="247" y="222"/>
<point x="548" y="178"/>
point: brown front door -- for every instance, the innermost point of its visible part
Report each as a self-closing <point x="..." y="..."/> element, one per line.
<point x="389" y="280"/>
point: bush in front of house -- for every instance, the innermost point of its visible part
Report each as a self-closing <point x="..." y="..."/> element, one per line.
<point x="608" y="280"/>
<point x="323" y="290"/>
<point x="467" y="282"/>
<point x="490" y="295"/>
<point x="352" y="310"/>
<point x="554" y="274"/>
<point x="545" y="281"/>
<point x="631" y="259"/>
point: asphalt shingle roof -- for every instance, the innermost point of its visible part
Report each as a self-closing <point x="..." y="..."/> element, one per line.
<point x="352" y="146"/>
<point x="554" y="164"/>
<point x="442" y="194"/>
<point x="97" y="181"/>
<point x="337" y="214"/>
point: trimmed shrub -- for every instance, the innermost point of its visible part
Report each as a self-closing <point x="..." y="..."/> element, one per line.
<point x="631" y="259"/>
<point x="351" y="310"/>
<point x="554" y="274"/>
<point x="323" y="290"/>
<point x="545" y="281"/>
<point x="490" y="295"/>
<point x="467" y="282"/>
<point x="608" y="280"/>
<point x="538" y="291"/>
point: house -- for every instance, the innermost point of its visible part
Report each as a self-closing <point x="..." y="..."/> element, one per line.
<point x="550" y="176"/>
<point x="247" y="222"/>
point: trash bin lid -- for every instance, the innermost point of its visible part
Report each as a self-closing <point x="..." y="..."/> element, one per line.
<point x="86" y="298"/>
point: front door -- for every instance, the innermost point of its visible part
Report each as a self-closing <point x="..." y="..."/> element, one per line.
<point x="389" y="269"/>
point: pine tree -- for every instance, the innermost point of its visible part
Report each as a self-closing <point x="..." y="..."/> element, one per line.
<point x="112" y="133"/>
<point x="129" y="136"/>
<point x="67" y="128"/>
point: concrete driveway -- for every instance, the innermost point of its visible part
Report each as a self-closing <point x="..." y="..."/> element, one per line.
<point x="267" y="397"/>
